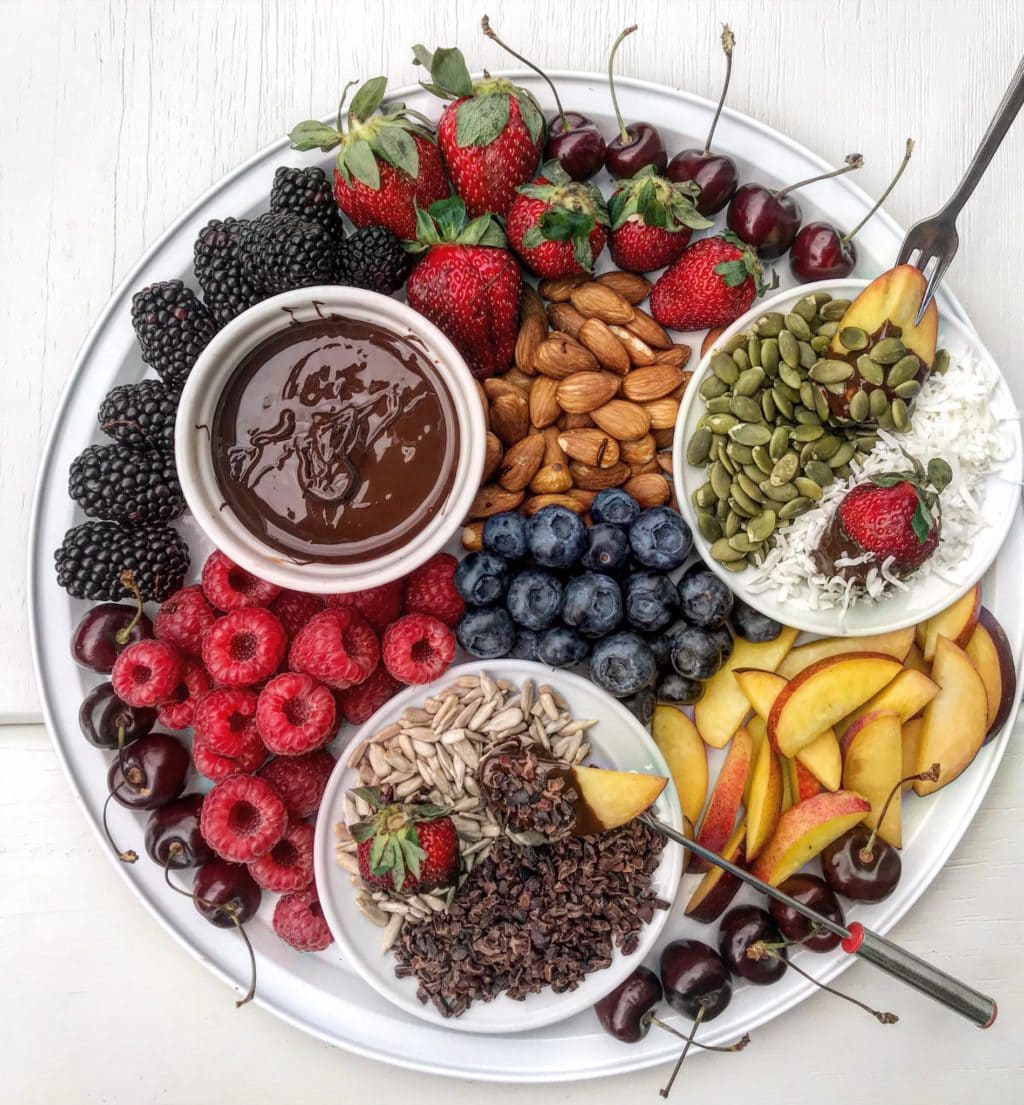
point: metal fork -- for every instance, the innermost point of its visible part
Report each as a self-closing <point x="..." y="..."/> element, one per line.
<point x="933" y="242"/>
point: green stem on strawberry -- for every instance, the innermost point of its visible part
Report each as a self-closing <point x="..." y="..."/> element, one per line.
<point x="623" y="133"/>
<point x="853" y="161"/>
<point x="341" y="106"/>
<point x="485" y="25"/>
<point x="728" y="42"/>
<point x="846" y="238"/>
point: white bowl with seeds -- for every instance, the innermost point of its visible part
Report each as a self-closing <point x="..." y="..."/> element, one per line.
<point x="426" y="743"/>
<point x="966" y="415"/>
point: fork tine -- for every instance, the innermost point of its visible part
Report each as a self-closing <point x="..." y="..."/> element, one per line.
<point x="941" y="264"/>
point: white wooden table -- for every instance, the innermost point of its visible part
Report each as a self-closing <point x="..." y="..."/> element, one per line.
<point x="113" y="116"/>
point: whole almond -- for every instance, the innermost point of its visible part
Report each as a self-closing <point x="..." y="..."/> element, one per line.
<point x="531" y="333"/>
<point x="565" y="318"/>
<point x="521" y="462"/>
<point x="593" y="447"/>
<point x="663" y="438"/>
<point x="591" y="478"/>
<point x="651" y="382"/>
<point x="640" y="353"/>
<point x="644" y="467"/>
<point x="633" y="287"/>
<point x="559" y="290"/>
<point x="639" y="451"/>
<point x="484" y="402"/>
<point x="582" y="495"/>
<point x="493" y="452"/>
<point x="647" y="330"/>
<point x="678" y="355"/>
<point x="605" y="346"/>
<point x="664" y="460"/>
<point x="510" y="417"/>
<point x="560" y="356"/>
<point x="710" y="338"/>
<point x="649" y="490"/>
<point x="494" y="499"/>
<point x="551" y="479"/>
<point x="539" y="502"/>
<point x="684" y="383"/>
<point x="575" y="422"/>
<point x="544" y="408"/>
<point x="663" y="413"/>
<point x="553" y="452"/>
<point x="473" y="536"/>
<point x="495" y="386"/>
<point x="530" y="304"/>
<point x="584" y="391"/>
<point x="622" y="419"/>
<point x="600" y="301"/>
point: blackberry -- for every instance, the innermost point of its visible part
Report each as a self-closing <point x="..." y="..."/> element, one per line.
<point x="126" y="483"/>
<point x="173" y="328"/>
<point x="280" y="251"/>
<point x="227" y="289"/>
<point x="93" y="556"/>
<point x="308" y="193"/>
<point x="140" y="414"/>
<point x="373" y="258"/>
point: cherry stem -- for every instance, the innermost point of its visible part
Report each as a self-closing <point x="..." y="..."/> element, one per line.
<point x="728" y="42"/>
<point x="884" y="196"/>
<point x="123" y="635"/>
<point x="867" y="853"/>
<point x="853" y="161"/>
<point x="739" y="1045"/>
<point x="689" y="1042"/>
<point x="125" y="857"/>
<point x="623" y="133"/>
<point x="132" y="774"/>
<point x="485" y="25"/>
<point x="231" y="909"/>
<point x="882" y="1018"/>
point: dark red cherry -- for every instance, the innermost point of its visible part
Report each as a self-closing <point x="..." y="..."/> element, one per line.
<point x="221" y="888"/>
<point x="636" y="146"/>
<point x="104" y="631"/>
<point x="102" y="714"/>
<point x="814" y="892"/>
<point x="860" y="868"/>
<point x="625" y="1012"/>
<point x="172" y="834"/>
<point x="740" y="930"/>
<point x="695" y="979"/>
<point x="575" y="142"/>
<point x="819" y="252"/>
<point x="150" y="773"/>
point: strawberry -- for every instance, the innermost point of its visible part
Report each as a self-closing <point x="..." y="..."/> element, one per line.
<point x="557" y="225"/>
<point x="491" y="134"/>
<point x="468" y="284"/>
<point x="388" y="163"/>
<point x="405" y="848"/>
<point x="712" y="284"/>
<point x="651" y="220"/>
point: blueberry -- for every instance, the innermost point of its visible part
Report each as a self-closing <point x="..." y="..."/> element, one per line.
<point x="486" y="633"/>
<point x="660" y="539"/>
<point x="704" y="599"/>
<point x="525" y="647"/>
<point x="592" y="604"/>
<point x="556" y="537"/>
<point x="658" y="643"/>
<point x="607" y="548"/>
<point x="671" y="634"/>
<point x="534" y="599"/>
<point x="641" y="705"/>
<point x="679" y="690"/>
<point x="695" y="653"/>
<point x="505" y="535"/>
<point x="561" y="647"/>
<point x="614" y="507"/>
<point x="622" y="664"/>
<point x="752" y="625"/>
<point x="651" y="600"/>
<point x="723" y="639"/>
<point x="481" y="578"/>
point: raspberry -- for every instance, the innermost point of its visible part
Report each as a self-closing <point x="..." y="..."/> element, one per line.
<point x="378" y="605"/>
<point x="225" y="721"/>
<point x="299" y="921"/>
<point x="431" y="590"/>
<point x="337" y="646"/>
<point x="300" y="780"/>
<point x="243" y="817"/>
<point x="217" y="767"/>
<point x="288" y="866"/>
<point x="230" y="587"/>
<point x="179" y="710"/>
<point x="295" y="714"/>
<point x="418" y="648"/>
<point x="147" y="673"/>
<point x="294" y="609"/>
<point x="359" y="704"/>
<point x="244" y="647"/>
<point x="184" y="618"/>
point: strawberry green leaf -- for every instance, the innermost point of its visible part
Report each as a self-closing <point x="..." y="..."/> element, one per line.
<point x="314" y="135"/>
<point x="536" y="191"/>
<point x="448" y="71"/>
<point x="370" y="795"/>
<point x="363" y="831"/>
<point x="360" y="162"/>
<point x="397" y="148"/>
<point x="532" y="115"/>
<point x="552" y="170"/>
<point x="939" y="474"/>
<point x="533" y="237"/>
<point x="422" y="56"/>
<point x="397" y="866"/>
<point x="583" y="253"/>
<point x="733" y="273"/>
<point x="430" y="811"/>
<point x="369" y="97"/>
<point x="481" y="119"/>
<point x="450" y="217"/>
<point x="889" y="479"/>
<point x="921" y="522"/>
<point x="621" y="206"/>
<point x="446" y="222"/>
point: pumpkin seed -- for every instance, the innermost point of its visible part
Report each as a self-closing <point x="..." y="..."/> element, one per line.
<point x="835" y="389"/>
<point x="885" y="421"/>
<point x="805" y="309"/>
<point x="722" y="511"/>
<point x="845" y="472"/>
<point x="722" y="423"/>
<point x="900" y="414"/>
<point x="798" y="326"/>
<point x="853" y="338"/>
<point x="723" y="552"/>
<point x="762" y="527"/>
<point x="740" y="565"/>
<point x="941" y="362"/>
<point x="724" y="459"/>
<point x="791" y="393"/>
<point x="741" y="454"/>
<point x="713" y="386"/>
<point x="789" y="349"/>
<point x="741" y="542"/>
<point x="784" y="470"/>
<point x="842" y="456"/>
<point x="878" y="403"/>
<point x="719" y="405"/>
<point x="751" y="433"/>
<point x="749" y="381"/>
<point x="748" y="508"/>
<point x="724" y="367"/>
<point x="745" y="408"/>
<point x="806" y="454"/>
<point x="720" y="480"/>
<point x="806" y="433"/>
<point x="753" y="473"/>
<point x="699" y="448"/>
<point x="790" y="376"/>
<point x="834" y="311"/>
<point x="781" y="494"/>
<point x="865" y="443"/>
<point x="782" y="400"/>
<point x="732" y="522"/>
<point x="779" y="442"/>
<point x="805" y="417"/>
<point x="808" y="358"/>
<point x="807" y="487"/>
<point x="820" y="344"/>
<point x="740" y="358"/>
<point x="740" y="495"/>
<point x="708" y="525"/>
<point x="762" y="458"/>
<point x="904" y="369"/>
<point x="909" y="389"/>
<point x="831" y="371"/>
<point x="768" y="326"/>
<point x="705" y="495"/>
<point x="770" y="356"/>
<point x="825" y="447"/>
<point x="827" y="329"/>
<point x="888" y="351"/>
<point x="754" y="350"/>
<point x="870" y="370"/>
<point x="818" y="471"/>
<point x="807" y="390"/>
<point x="794" y="507"/>
<point x="860" y="406"/>
<point x="768" y="406"/>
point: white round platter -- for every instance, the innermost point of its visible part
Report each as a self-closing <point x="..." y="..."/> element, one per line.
<point x="321" y="994"/>
<point x="618" y="741"/>
<point x="997" y="504"/>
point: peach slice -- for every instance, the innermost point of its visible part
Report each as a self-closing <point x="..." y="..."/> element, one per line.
<point x="990" y="653"/>
<point x="910" y="740"/>
<point x="716" y="890"/>
<point x="758" y="731"/>
<point x="608" y="799"/>
<point x="686" y="755"/>
<point x="805" y="829"/>
<point x="872" y="762"/>
<point x="956" y="623"/>
<point x="723" y="706"/>
<point x="825" y="693"/>
<point x="726" y="799"/>
<point x="916" y="661"/>
<point x="907" y="695"/>
<point x="955" y="721"/>
<point x="896" y="644"/>
<point x="802" y="783"/>
<point x="764" y="799"/>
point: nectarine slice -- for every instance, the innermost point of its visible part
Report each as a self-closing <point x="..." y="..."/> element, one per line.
<point x="956" y="623"/>
<point x="896" y="644"/>
<point x="764" y="799"/>
<point x="910" y="739"/>
<point x="726" y="799"/>
<point x="907" y="695"/>
<point x="802" y="783"/>
<point x="686" y="755"/>
<point x="915" y="660"/>
<point x="608" y="799"/>
<point x="872" y="762"/>
<point x="716" y="890"/>
<point x="990" y="653"/>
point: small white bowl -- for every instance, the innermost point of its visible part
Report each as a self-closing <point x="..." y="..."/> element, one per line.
<point x="924" y="597"/>
<point x="198" y="406"/>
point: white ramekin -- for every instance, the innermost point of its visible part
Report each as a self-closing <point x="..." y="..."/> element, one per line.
<point x="194" y="453"/>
